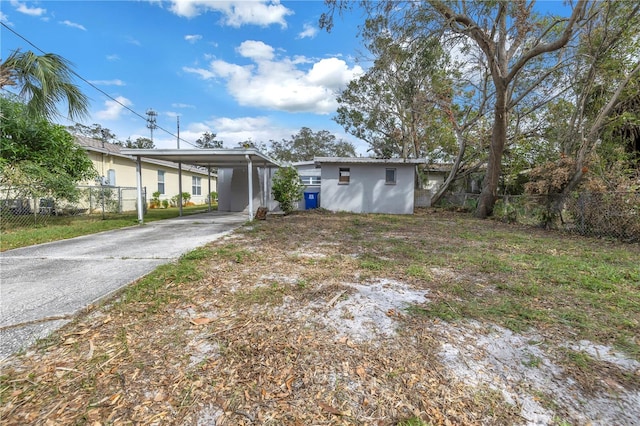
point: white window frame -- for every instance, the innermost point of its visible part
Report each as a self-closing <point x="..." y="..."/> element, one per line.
<point x="196" y="185"/>
<point x="111" y="177"/>
<point x="311" y="180"/>
<point x="161" y="182"/>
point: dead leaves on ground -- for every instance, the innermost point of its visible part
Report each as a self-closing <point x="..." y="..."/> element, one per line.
<point x="210" y="356"/>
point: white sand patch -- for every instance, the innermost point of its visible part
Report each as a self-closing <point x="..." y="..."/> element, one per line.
<point x="270" y="279"/>
<point x="368" y="313"/>
<point x="605" y="353"/>
<point x="523" y="372"/>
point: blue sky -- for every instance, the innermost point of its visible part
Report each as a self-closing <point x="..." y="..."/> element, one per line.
<point x="256" y="70"/>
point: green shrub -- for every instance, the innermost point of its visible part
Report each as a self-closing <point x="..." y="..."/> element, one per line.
<point x="287" y="188"/>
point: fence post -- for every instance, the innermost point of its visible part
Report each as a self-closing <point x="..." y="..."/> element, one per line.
<point x="581" y="202"/>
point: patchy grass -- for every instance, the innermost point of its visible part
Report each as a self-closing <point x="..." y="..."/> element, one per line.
<point x="254" y="329"/>
<point x="63" y="227"/>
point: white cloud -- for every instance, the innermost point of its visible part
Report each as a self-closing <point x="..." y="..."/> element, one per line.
<point x="234" y="130"/>
<point x="256" y="50"/>
<point x="133" y="41"/>
<point x="115" y="82"/>
<point x="235" y="13"/>
<point x="5" y="19"/>
<point x="73" y="25"/>
<point x="308" y="31"/>
<point x="113" y="108"/>
<point x="204" y="74"/>
<point x="31" y="11"/>
<point x="179" y="105"/>
<point x="193" y="38"/>
<point x="282" y="83"/>
<point x="113" y="57"/>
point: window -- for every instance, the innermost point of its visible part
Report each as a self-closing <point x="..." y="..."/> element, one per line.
<point x="161" y="181"/>
<point x="111" y="177"/>
<point x="344" y="176"/>
<point x="390" y="177"/>
<point x="196" y="188"/>
<point x="310" y="180"/>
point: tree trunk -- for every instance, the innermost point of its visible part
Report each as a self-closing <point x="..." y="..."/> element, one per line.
<point x="489" y="193"/>
<point x="453" y="173"/>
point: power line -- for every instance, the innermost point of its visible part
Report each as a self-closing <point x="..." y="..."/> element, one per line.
<point x="97" y="88"/>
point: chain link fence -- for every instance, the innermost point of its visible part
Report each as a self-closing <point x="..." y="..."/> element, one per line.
<point x="595" y="214"/>
<point x="18" y="211"/>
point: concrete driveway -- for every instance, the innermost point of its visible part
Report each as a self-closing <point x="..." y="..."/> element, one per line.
<point x="42" y="287"/>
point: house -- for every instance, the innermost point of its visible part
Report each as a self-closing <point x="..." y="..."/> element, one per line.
<point x="118" y="169"/>
<point x="367" y="185"/>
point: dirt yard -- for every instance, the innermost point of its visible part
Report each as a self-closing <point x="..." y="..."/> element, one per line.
<point x="330" y="319"/>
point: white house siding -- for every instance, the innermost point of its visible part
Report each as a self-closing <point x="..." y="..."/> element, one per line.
<point x="367" y="191"/>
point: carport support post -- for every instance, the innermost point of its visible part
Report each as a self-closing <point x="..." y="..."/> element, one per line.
<point x="250" y="175"/>
<point x="180" y="187"/>
<point x="209" y="177"/>
<point x="139" y="185"/>
<point x="265" y="176"/>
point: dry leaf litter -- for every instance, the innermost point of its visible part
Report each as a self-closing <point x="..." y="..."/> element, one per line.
<point x="285" y="327"/>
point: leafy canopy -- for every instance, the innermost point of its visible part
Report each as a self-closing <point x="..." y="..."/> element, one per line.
<point x="307" y="144"/>
<point x="38" y="158"/>
<point x="43" y="81"/>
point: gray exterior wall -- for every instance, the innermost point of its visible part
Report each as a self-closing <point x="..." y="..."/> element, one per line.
<point x="367" y="191"/>
<point x="233" y="187"/>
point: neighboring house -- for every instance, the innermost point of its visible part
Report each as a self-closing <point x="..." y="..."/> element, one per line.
<point x="117" y="169"/>
<point x="367" y="185"/>
<point x="310" y="176"/>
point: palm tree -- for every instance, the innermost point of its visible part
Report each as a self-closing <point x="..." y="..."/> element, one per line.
<point x="43" y="81"/>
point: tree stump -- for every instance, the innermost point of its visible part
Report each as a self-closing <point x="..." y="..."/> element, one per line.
<point x="261" y="214"/>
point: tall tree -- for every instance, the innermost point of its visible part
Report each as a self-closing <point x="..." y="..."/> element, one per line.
<point x="307" y="144"/>
<point x="409" y="103"/>
<point x="208" y="140"/>
<point x="250" y="144"/>
<point x="395" y="105"/>
<point x="511" y="39"/>
<point x="38" y="158"/>
<point x="139" y="143"/>
<point x="605" y="85"/>
<point x="95" y="131"/>
<point x="43" y="81"/>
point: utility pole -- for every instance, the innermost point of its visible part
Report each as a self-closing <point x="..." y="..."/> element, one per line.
<point x="178" y="138"/>
<point x="151" y="121"/>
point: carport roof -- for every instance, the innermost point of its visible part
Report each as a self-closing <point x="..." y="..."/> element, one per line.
<point x="206" y="157"/>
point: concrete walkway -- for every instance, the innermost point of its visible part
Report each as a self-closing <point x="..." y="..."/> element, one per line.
<point x="42" y="287"/>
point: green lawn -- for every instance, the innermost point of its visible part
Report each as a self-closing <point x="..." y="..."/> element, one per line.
<point x="63" y="227"/>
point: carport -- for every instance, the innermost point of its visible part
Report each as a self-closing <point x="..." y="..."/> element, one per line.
<point x="208" y="159"/>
